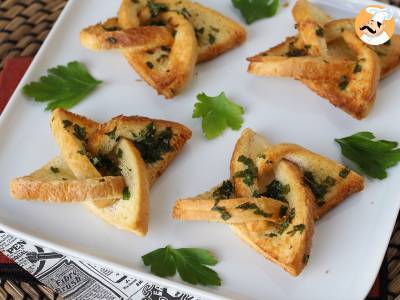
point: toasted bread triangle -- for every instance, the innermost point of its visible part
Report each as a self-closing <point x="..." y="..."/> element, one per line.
<point x="55" y="182"/>
<point x="330" y="181"/>
<point x="215" y="33"/>
<point x="132" y="212"/>
<point x="304" y="11"/>
<point x="71" y="132"/>
<point x="202" y="208"/>
<point x="129" y="127"/>
<point x="279" y="243"/>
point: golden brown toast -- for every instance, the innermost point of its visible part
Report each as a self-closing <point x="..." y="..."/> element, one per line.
<point x="215" y="33"/>
<point x="102" y="37"/>
<point x="132" y="212"/>
<point x="231" y="211"/>
<point x="330" y="182"/>
<point x="304" y="11"/>
<point x="281" y="243"/>
<point x="170" y="136"/>
<point x="55" y="182"/>
<point x="168" y="68"/>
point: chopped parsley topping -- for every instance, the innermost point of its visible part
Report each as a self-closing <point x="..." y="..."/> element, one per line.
<point x="111" y="28"/>
<point x="185" y="13"/>
<point x="283" y="211"/>
<point x="271" y="234"/>
<point x="250" y="173"/>
<point x="357" y="68"/>
<point x="67" y="123"/>
<point x="152" y="144"/>
<point x="287" y="222"/>
<point x="225" y="191"/>
<point x="297" y="228"/>
<point x="111" y="40"/>
<point x="156" y="8"/>
<point x="343" y="82"/>
<point x="126" y="194"/>
<point x="149" y="64"/>
<point x="166" y="48"/>
<point x="211" y="38"/>
<point x="199" y="32"/>
<point x="55" y="170"/>
<point x="306" y="258"/>
<point x="344" y="172"/>
<point x="319" y="32"/>
<point x="80" y="132"/>
<point x="105" y="165"/>
<point x="257" y="210"/>
<point x="295" y="52"/>
<point x="111" y="134"/>
<point x="225" y="215"/>
<point x="277" y="190"/>
<point x="318" y="189"/>
<point x="119" y="153"/>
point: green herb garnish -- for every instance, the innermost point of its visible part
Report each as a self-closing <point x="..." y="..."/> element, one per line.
<point x="306" y="258"/>
<point x="343" y="82"/>
<point x="55" y="170"/>
<point x="149" y="64"/>
<point x="156" y="8"/>
<point x="282" y="211"/>
<point x="293" y="51"/>
<point x="318" y="189"/>
<point x="248" y="174"/>
<point x="126" y="194"/>
<point x="67" y="123"/>
<point x="211" y="39"/>
<point x="372" y="156"/>
<point x="225" y="215"/>
<point x="271" y="234"/>
<point x="119" y="153"/>
<point x="80" y="132"/>
<point x="319" y="32"/>
<point x="105" y="165"/>
<point x="297" y="228"/>
<point x="287" y="222"/>
<point x="63" y="87"/>
<point x="344" y="172"/>
<point x="217" y="113"/>
<point x="152" y="144"/>
<point x="191" y="264"/>
<point x="225" y="191"/>
<point x="357" y="68"/>
<point x="276" y="190"/>
<point x="111" y="134"/>
<point x="253" y="10"/>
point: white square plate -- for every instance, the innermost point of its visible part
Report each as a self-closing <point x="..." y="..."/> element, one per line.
<point x="349" y="243"/>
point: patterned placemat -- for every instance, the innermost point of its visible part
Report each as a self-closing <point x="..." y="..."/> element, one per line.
<point x="24" y="24"/>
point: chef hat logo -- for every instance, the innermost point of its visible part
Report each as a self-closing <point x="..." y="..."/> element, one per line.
<point x="380" y="14"/>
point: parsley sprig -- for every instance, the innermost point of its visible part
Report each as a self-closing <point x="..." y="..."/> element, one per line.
<point x="63" y="87"/>
<point x="253" y="10"/>
<point x="191" y="264"/>
<point x="372" y="156"/>
<point x="218" y="113"/>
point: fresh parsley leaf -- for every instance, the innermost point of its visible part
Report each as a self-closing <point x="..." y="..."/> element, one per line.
<point x="126" y="194"/>
<point x="372" y="156"/>
<point x="250" y="173"/>
<point x="191" y="264"/>
<point x="64" y="86"/>
<point x="253" y="10"/>
<point x="218" y="113"/>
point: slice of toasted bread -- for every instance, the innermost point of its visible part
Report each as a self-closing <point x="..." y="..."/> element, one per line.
<point x="168" y="69"/>
<point x="313" y="38"/>
<point x="353" y="92"/>
<point x="172" y="137"/>
<point x="132" y="212"/>
<point x="231" y="211"/>
<point x="55" y="182"/>
<point x="330" y="181"/>
<point x="304" y="11"/>
<point x="216" y="34"/>
<point x="71" y="132"/>
<point x="281" y="244"/>
<point x="302" y="67"/>
<point x="102" y="37"/>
